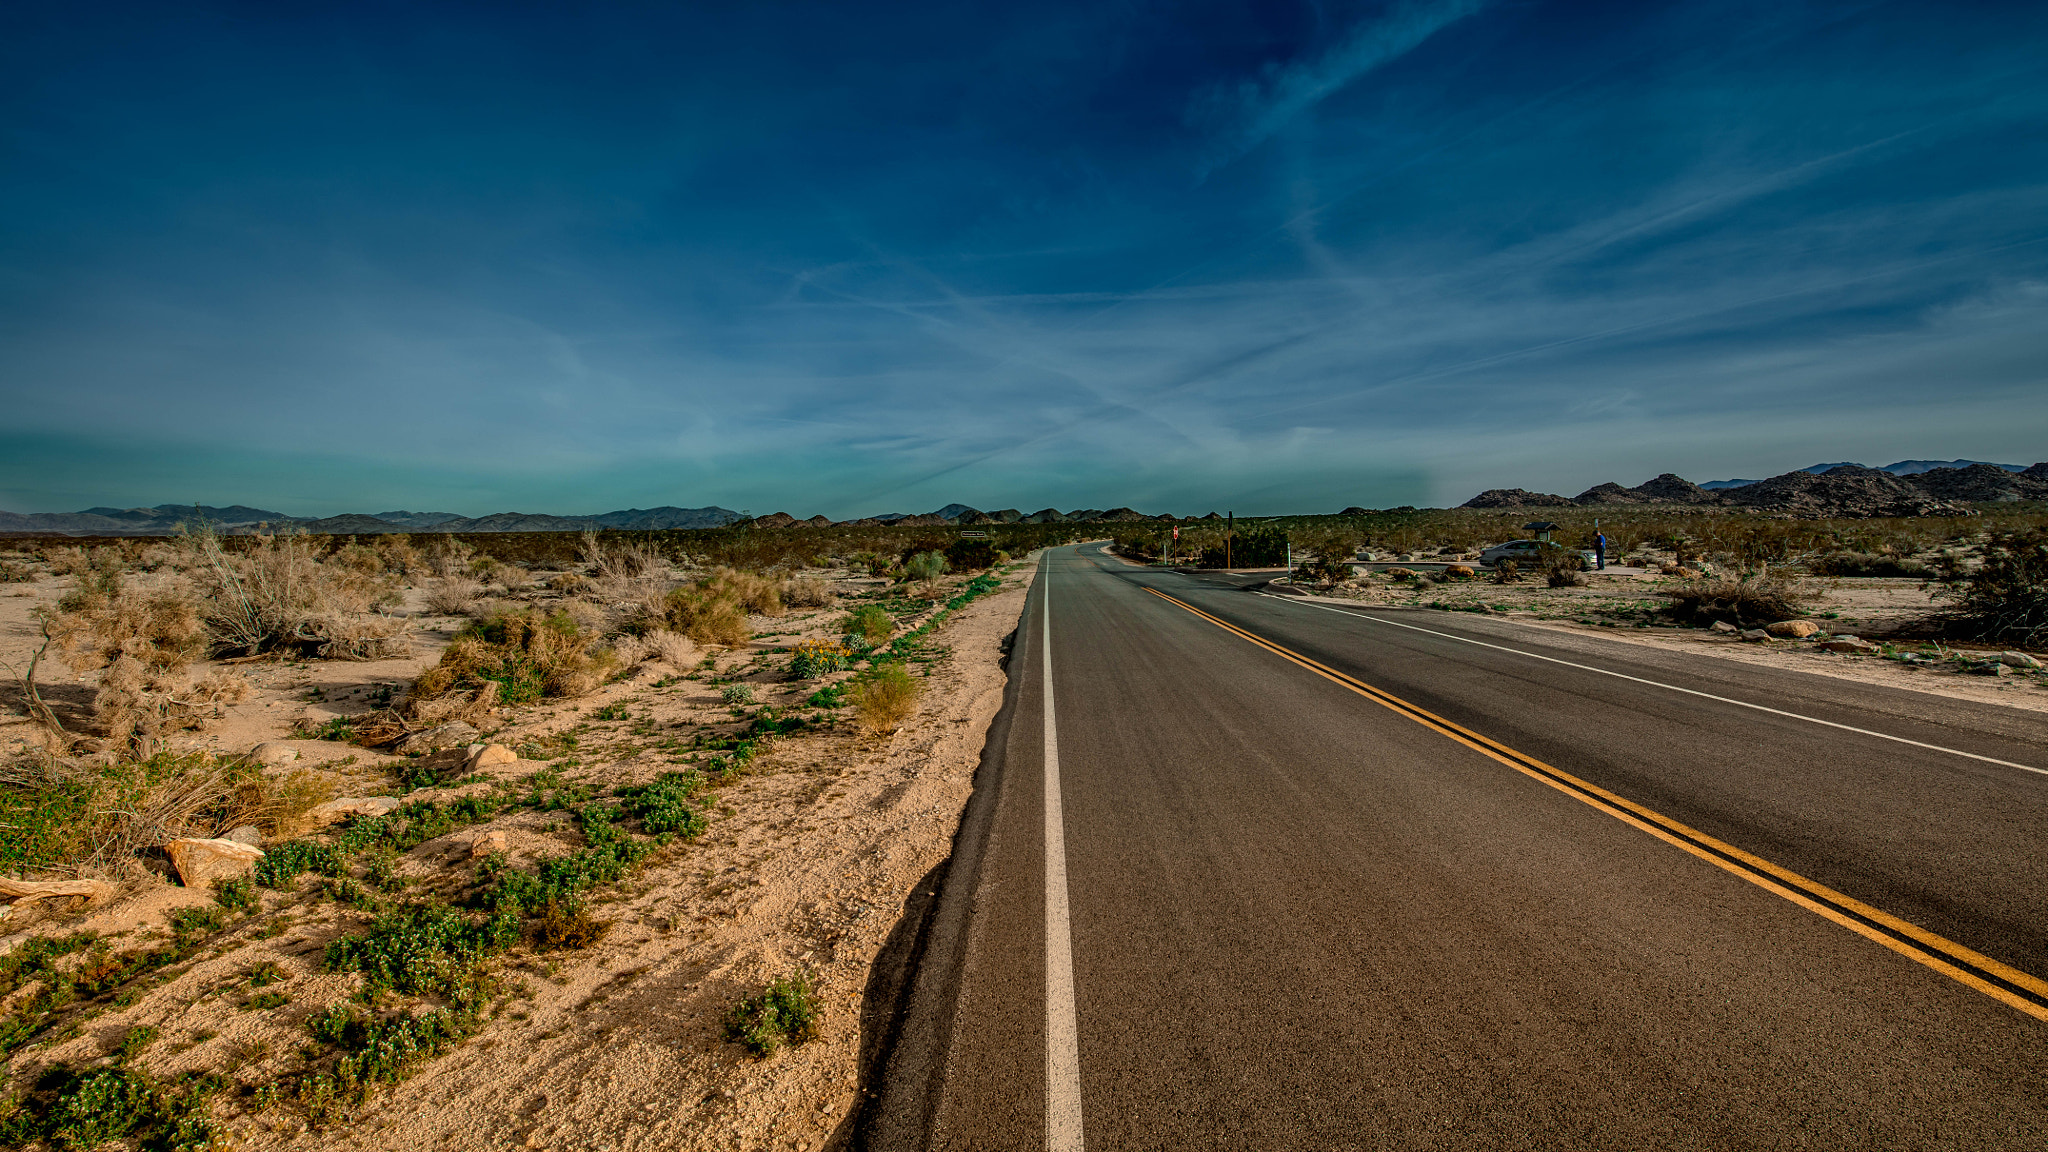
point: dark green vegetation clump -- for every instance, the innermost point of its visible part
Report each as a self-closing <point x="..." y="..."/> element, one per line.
<point x="2005" y="599"/>
<point x="83" y="1108"/>
<point x="786" y="1012"/>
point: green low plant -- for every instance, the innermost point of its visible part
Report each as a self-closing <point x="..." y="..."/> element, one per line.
<point x="786" y="1012"/>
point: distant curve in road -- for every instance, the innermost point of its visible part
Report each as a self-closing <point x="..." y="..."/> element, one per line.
<point x="1301" y="916"/>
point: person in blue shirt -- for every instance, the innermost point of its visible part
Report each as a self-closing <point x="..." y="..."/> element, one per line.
<point x="1600" y="551"/>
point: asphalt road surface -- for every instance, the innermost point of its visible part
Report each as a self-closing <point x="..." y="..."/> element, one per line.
<point x="1242" y="872"/>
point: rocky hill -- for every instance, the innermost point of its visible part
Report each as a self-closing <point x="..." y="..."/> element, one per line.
<point x="1846" y="490"/>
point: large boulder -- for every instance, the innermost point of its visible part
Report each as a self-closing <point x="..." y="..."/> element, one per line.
<point x="201" y="862"/>
<point x="1848" y="646"/>
<point x="1792" y="629"/>
<point x="489" y="755"/>
<point x="2018" y="660"/>
<point x="272" y="754"/>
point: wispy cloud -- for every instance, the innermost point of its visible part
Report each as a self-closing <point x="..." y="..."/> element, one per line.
<point x="1254" y="110"/>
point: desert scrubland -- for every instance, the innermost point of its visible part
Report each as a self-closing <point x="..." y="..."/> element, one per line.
<point x="607" y="840"/>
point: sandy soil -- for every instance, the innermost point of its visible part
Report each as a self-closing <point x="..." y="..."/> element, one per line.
<point x="808" y="862"/>
<point x="1619" y="607"/>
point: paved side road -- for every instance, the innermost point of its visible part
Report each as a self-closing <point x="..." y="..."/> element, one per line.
<point x="1404" y="880"/>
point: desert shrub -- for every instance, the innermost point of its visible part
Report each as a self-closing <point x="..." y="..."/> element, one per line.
<point x="811" y="658"/>
<point x="925" y="568"/>
<point x="967" y="555"/>
<point x="808" y="592"/>
<point x="92" y="817"/>
<point x="884" y="696"/>
<point x="786" y="1012"/>
<point x="569" y="583"/>
<point x="276" y="596"/>
<point x="568" y="927"/>
<point x="1329" y="568"/>
<point x="511" y="658"/>
<point x="829" y="696"/>
<point x="1866" y="564"/>
<point x="421" y="949"/>
<point x="608" y="856"/>
<point x="235" y="893"/>
<point x="143" y="644"/>
<point x="665" y="806"/>
<point x="376" y="1051"/>
<point x="1507" y="572"/>
<point x="453" y="595"/>
<point x="2005" y="599"/>
<point x="12" y="573"/>
<point x="1751" y="598"/>
<point x="83" y="1108"/>
<point x="1261" y="547"/>
<point x="872" y="624"/>
<point x="738" y="693"/>
<point x="447" y="556"/>
<point x="758" y="594"/>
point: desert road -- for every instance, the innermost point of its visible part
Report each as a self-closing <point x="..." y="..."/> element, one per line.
<point x="1245" y="872"/>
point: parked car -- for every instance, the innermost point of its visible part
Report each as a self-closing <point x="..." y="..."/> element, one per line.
<point x="1526" y="553"/>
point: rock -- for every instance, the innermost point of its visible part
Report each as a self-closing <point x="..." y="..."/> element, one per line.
<point x="1992" y="669"/>
<point x="451" y="735"/>
<point x="342" y="809"/>
<point x="273" y="753"/>
<point x="201" y="862"/>
<point x="1458" y="572"/>
<point x="486" y="755"/>
<point x="19" y="893"/>
<point x="1847" y="645"/>
<point x="1725" y="627"/>
<point x="246" y="834"/>
<point x="484" y="843"/>
<point x="1755" y="634"/>
<point x="1795" y="629"/>
<point x="2018" y="660"/>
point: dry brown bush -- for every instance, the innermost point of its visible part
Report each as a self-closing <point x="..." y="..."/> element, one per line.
<point x="143" y="644"/>
<point x="808" y="592"/>
<point x="452" y="595"/>
<point x="277" y="596"/>
<point x="1752" y="598"/>
<point x="757" y="594"/>
<point x="704" y="614"/>
<point x="398" y="554"/>
<point x="446" y="556"/>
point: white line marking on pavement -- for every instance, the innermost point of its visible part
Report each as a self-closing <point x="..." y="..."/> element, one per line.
<point x="1659" y="684"/>
<point x="1062" y="1033"/>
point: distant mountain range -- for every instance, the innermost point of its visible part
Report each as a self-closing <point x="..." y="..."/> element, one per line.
<point x="1902" y="468"/>
<point x="168" y="519"/>
<point x="1827" y="490"/>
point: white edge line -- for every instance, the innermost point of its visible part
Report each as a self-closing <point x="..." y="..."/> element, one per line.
<point x="1062" y="1033"/>
<point x="1659" y="684"/>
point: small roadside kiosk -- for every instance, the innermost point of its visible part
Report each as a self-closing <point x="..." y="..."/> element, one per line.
<point x="1542" y="529"/>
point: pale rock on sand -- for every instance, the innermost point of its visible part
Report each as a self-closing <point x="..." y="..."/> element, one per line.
<point x="273" y="754"/>
<point x="201" y="862"/>
<point x="450" y="735"/>
<point x="337" y="810"/>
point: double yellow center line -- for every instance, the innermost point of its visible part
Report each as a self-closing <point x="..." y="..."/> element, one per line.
<point x="1999" y="981"/>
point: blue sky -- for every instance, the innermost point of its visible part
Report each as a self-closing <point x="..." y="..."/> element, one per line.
<point x="857" y="258"/>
